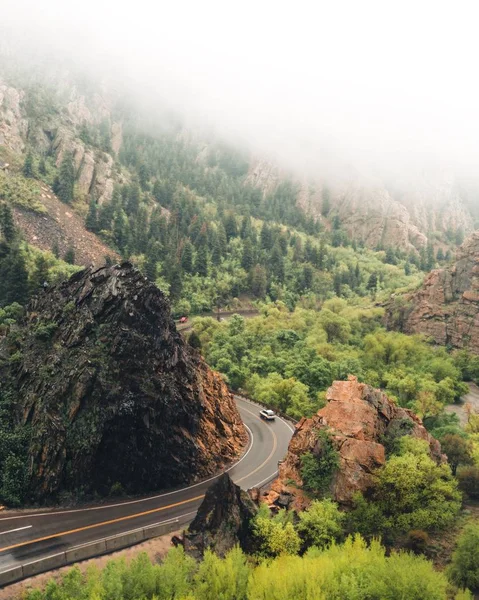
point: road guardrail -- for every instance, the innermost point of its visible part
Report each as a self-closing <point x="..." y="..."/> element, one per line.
<point x="92" y="549"/>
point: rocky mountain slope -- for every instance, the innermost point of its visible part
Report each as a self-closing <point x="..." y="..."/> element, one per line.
<point x="370" y="211"/>
<point x="56" y="125"/>
<point x="360" y="420"/>
<point x="88" y="126"/>
<point x="109" y="393"/>
<point x="61" y="227"/>
<point x="446" y="307"/>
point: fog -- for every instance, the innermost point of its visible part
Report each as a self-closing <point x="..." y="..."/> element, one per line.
<point x="379" y="88"/>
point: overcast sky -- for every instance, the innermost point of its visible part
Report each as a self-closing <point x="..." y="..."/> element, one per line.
<point x="380" y="85"/>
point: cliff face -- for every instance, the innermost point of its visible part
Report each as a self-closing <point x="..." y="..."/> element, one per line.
<point x="57" y="132"/>
<point x="371" y="213"/>
<point x="446" y="307"/>
<point x="359" y="419"/>
<point x="112" y="393"/>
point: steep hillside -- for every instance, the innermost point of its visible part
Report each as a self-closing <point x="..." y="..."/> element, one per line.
<point x="427" y="209"/>
<point x="60" y="228"/>
<point x="446" y="306"/>
<point x="104" y="391"/>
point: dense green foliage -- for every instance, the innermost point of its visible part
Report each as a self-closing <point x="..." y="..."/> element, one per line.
<point x="13" y="454"/>
<point x="276" y="534"/>
<point x="465" y="560"/>
<point x="286" y="360"/>
<point x="352" y="571"/>
<point x="411" y="492"/>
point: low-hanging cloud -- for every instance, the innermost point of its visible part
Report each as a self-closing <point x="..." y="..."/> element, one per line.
<point x="379" y="87"/>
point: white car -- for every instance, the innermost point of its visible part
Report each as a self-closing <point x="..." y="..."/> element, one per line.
<point x="267" y="415"/>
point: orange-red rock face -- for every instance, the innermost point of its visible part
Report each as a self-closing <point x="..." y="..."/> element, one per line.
<point x="446" y="307"/>
<point x="357" y="417"/>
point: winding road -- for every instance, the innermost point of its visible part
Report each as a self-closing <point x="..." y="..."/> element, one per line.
<point x="29" y="535"/>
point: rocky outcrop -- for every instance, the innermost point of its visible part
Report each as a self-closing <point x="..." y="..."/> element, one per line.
<point x="360" y="420"/>
<point x="112" y="394"/>
<point x="370" y="215"/>
<point x="57" y="132"/>
<point x="222" y="521"/>
<point x="13" y="125"/>
<point x="446" y="306"/>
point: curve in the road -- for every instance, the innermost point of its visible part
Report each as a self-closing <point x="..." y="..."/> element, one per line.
<point x="30" y="535"/>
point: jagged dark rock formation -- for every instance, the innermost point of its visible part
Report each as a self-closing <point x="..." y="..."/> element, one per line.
<point x="112" y="393"/>
<point x="222" y="521"/>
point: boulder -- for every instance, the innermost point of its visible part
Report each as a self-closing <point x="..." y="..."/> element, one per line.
<point x="222" y="521"/>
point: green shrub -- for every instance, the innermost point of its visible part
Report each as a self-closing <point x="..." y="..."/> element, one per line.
<point x="45" y="331"/>
<point x="318" y="468"/>
<point x="468" y="478"/>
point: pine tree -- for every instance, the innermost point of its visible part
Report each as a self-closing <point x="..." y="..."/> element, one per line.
<point x="326" y="206"/>
<point x="277" y="263"/>
<point x="321" y="254"/>
<point x="28" y="170"/>
<point x="134" y="196"/>
<point x="201" y="264"/>
<point x="222" y="240"/>
<point x="56" y="249"/>
<point x="390" y="258"/>
<point x="120" y="230"/>
<point x="266" y="237"/>
<point x="246" y="227"/>
<point x="152" y="257"/>
<point x="247" y="259"/>
<point x="231" y="227"/>
<point x="407" y="268"/>
<point x="337" y="283"/>
<point x="16" y="277"/>
<point x="357" y="275"/>
<point x="194" y="341"/>
<point x="259" y="281"/>
<point x="187" y="257"/>
<point x="216" y="250"/>
<point x="307" y="277"/>
<point x="66" y="180"/>
<point x="372" y="282"/>
<point x="40" y="275"/>
<point x="92" y="217"/>
<point x="7" y="225"/>
<point x="175" y="280"/>
<point x="42" y="166"/>
<point x="70" y="255"/>
<point x="440" y="254"/>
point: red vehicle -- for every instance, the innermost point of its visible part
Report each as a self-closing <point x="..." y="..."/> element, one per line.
<point x="183" y="319"/>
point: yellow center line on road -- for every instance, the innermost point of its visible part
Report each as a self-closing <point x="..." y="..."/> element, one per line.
<point x="147" y="512"/>
<point x="86" y="527"/>
<point x="275" y="444"/>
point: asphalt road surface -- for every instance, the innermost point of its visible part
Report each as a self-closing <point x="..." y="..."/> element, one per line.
<point x="30" y="535"/>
